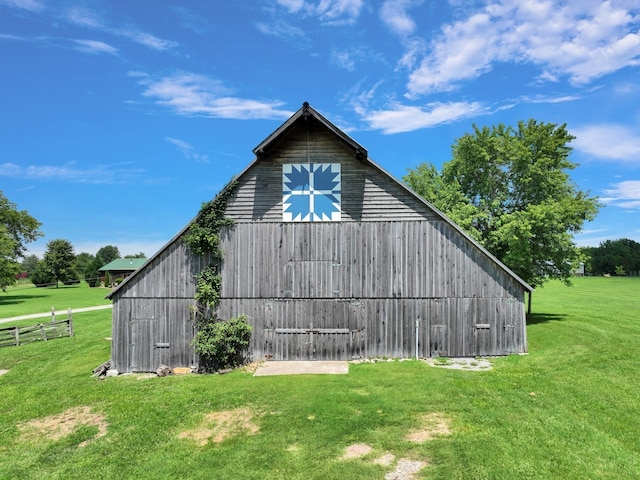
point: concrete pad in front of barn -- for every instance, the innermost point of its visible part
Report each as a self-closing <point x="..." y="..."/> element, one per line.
<point x="302" y="368"/>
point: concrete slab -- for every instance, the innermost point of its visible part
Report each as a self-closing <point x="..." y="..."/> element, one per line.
<point x="302" y="368"/>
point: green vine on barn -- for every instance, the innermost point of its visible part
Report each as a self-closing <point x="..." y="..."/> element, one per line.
<point x="219" y="343"/>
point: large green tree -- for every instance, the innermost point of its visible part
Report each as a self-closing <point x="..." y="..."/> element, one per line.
<point x="107" y="254"/>
<point x="59" y="259"/>
<point x="17" y="228"/>
<point x="510" y="189"/>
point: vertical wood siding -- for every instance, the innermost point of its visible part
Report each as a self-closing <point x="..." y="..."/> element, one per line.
<point x="391" y="279"/>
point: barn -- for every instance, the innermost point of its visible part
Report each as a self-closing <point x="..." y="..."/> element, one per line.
<point x="331" y="258"/>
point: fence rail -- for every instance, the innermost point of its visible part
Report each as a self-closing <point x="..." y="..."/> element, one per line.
<point x="11" y="336"/>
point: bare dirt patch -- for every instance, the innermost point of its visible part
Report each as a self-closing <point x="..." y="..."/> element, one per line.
<point x="385" y="460"/>
<point x="356" y="450"/>
<point x="218" y="426"/>
<point x="2" y="372"/>
<point x="405" y="470"/>
<point x="433" y="425"/>
<point x="464" y="363"/>
<point x="59" y="426"/>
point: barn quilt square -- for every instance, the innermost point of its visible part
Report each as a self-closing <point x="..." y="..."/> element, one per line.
<point x="311" y="192"/>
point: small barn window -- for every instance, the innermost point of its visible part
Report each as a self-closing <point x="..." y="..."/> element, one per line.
<point x="311" y="192"/>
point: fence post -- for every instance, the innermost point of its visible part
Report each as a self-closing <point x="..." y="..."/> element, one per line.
<point x="53" y="314"/>
<point x="43" y="334"/>
<point x="70" y="323"/>
<point x="17" y="335"/>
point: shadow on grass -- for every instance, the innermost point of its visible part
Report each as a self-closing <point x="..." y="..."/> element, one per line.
<point x="536" y="318"/>
<point x="14" y="299"/>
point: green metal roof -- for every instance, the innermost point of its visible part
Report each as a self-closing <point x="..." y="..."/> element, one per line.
<point x="123" y="264"/>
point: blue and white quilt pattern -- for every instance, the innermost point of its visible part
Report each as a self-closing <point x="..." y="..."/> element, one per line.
<point x="311" y="192"/>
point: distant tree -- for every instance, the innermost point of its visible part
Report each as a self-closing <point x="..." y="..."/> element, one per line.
<point x="509" y="189"/>
<point x="29" y="264"/>
<point x="107" y="254"/>
<point x="84" y="263"/>
<point x="41" y="277"/>
<point x="59" y="260"/>
<point x="624" y="253"/>
<point x="17" y="228"/>
<point x="137" y="255"/>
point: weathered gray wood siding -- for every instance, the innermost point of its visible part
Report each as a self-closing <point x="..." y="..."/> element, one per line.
<point x="391" y="279"/>
<point x="367" y="194"/>
<point x="363" y="286"/>
<point x="343" y="329"/>
<point x="392" y="272"/>
<point x="152" y="322"/>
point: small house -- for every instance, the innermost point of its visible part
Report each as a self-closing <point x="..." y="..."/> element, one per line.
<point x="121" y="268"/>
<point x="331" y="258"/>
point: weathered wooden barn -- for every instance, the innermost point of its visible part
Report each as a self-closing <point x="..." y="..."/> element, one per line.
<point x="331" y="258"/>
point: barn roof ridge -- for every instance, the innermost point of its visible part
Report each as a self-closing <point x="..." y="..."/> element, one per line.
<point x="361" y="153"/>
<point x="304" y="113"/>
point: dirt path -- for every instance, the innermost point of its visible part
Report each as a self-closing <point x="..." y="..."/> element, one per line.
<point x="48" y="314"/>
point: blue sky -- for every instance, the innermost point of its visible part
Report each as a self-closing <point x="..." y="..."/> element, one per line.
<point x="119" y="118"/>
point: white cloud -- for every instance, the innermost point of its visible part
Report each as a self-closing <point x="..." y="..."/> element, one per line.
<point x="339" y="11"/>
<point x="292" y="5"/>
<point x="145" y="39"/>
<point x="624" y="195"/>
<point x="93" y="46"/>
<point x="188" y="150"/>
<point x="280" y="28"/>
<point x="575" y="39"/>
<point x="31" y="5"/>
<point x="394" y="15"/>
<point x="193" y="94"/>
<point x="350" y="57"/>
<point x="608" y="141"/>
<point x="330" y="12"/>
<point x="87" y="18"/>
<point x="101" y="174"/>
<point x="403" y="118"/>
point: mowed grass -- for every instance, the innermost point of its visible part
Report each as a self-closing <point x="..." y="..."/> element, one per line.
<point x="568" y="410"/>
<point x="27" y="299"/>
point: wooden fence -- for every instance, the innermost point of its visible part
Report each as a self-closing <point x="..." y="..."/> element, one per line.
<point x="43" y="331"/>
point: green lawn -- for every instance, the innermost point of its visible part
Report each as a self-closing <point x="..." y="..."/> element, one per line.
<point x="26" y="299"/>
<point x="568" y="410"/>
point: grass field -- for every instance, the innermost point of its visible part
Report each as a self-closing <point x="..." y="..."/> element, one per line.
<point x="568" y="410"/>
<point x="27" y="299"/>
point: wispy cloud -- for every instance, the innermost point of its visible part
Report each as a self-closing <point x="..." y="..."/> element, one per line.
<point x="350" y="57"/>
<point x="31" y="5"/>
<point x="193" y="94"/>
<point x="91" y="19"/>
<point x="571" y="39"/>
<point x="100" y="174"/>
<point x="192" y="21"/>
<point x="93" y="46"/>
<point x="280" y="28"/>
<point x="404" y="118"/>
<point x="329" y="12"/>
<point x="187" y="150"/>
<point x="394" y="14"/>
<point x="624" y="195"/>
<point x="608" y="142"/>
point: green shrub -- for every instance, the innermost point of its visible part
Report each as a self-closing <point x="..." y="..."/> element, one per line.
<point x="222" y="343"/>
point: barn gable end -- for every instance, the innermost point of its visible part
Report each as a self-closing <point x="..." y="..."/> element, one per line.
<point x="393" y="277"/>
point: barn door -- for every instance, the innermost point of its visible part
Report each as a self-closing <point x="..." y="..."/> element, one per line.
<point x="147" y="348"/>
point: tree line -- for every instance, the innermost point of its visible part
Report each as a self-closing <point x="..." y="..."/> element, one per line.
<point x="61" y="265"/>
<point x="613" y="257"/>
